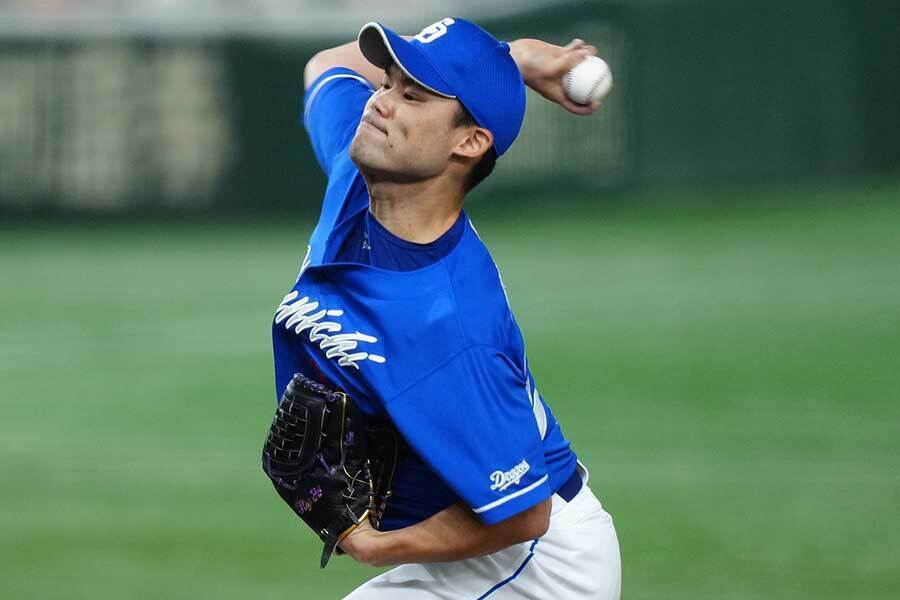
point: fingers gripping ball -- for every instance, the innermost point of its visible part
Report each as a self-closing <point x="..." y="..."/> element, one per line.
<point x="589" y="81"/>
<point x="319" y="456"/>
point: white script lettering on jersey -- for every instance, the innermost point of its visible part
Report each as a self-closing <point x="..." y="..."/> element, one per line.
<point x="303" y="314"/>
<point x="503" y="479"/>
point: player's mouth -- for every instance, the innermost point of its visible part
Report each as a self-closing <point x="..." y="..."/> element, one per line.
<point x="368" y="122"/>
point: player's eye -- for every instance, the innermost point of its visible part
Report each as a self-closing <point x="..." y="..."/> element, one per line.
<point x="385" y="85"/>
<point x="411" y="97"/>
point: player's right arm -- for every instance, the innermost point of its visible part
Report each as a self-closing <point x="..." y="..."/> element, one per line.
<point x="333" y="103"/>
<point x="542" y="66"/>
<point x="346" y="55"/>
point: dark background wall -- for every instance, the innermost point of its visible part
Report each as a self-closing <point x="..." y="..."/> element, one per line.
<point x="705" y="91"/>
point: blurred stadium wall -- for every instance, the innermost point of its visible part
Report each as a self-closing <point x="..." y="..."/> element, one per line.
<point x="153" y="106"/>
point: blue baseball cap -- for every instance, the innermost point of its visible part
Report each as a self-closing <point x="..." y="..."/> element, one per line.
<point x="457" y="59"/>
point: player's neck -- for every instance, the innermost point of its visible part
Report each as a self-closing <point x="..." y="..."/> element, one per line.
<point x="419" y="212"/>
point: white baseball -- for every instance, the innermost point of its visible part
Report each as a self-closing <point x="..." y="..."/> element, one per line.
<point x="589" y="81"/>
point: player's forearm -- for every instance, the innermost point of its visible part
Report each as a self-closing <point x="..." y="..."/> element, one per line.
<point x="526" y="52"/>
<point x="456" y="534"/>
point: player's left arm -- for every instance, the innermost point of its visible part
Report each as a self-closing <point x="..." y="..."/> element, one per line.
<point x="466" y="419"/>
<point x="454" y="533"/>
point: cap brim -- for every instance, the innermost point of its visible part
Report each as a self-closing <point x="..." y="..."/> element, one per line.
<point x="382" y="47"/>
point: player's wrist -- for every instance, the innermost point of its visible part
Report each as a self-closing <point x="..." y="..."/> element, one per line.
<point x="399" y="546"/>
<point x="373" y="548"/>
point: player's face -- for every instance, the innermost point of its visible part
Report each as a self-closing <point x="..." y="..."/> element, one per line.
<point x="406" y="132"/>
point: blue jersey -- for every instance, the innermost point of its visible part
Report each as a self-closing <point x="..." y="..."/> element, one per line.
<point x="370" y="243"/>
<point x="434" y="349"/>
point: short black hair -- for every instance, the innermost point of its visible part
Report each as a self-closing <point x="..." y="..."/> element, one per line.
<point x="483" y="167"/>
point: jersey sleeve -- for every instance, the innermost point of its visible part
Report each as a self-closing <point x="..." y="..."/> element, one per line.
<point x="471" y="420"/>
<point x="332" y="107"/>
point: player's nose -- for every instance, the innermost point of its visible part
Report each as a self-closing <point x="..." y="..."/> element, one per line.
<point x="382" y="105"/>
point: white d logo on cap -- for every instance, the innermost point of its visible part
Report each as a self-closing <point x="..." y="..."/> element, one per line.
<point x="434" y="31"/>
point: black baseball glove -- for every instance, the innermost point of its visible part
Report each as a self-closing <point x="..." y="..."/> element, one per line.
<point x="326" y="462"/>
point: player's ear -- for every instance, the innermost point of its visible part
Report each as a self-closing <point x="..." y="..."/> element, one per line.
<point x="475" y="143"/>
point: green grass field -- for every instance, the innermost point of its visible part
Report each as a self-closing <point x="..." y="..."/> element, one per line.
<point x="726" y="366"/>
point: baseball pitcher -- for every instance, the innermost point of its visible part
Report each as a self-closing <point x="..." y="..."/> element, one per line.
<point x="410" y="430"/>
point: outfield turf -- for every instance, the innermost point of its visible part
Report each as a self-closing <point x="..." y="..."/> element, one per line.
<point x="726" y="366"/>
